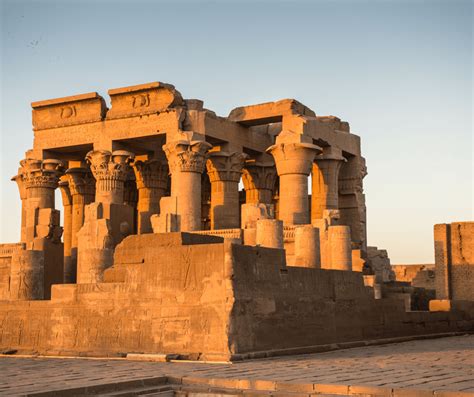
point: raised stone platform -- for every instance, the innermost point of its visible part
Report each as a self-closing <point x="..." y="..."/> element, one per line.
<point x="205" y="298"/>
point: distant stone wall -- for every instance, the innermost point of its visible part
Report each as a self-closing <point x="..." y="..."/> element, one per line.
<point x="454" y="260"/>
<point x="422" y="276"/>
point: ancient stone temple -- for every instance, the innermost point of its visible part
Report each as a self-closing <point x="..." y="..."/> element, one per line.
<point x="189" y="233"/>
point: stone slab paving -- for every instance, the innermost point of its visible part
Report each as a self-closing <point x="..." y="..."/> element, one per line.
<point x="435" y="364"/>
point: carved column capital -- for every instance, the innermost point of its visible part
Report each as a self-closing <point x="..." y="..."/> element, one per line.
<point x="20" y="181"/>
<point x="81" y="182"/>
<point x="41" y="173"/>
<point x="109" y="166"/>
<point x="151" y="174"/>
<point x="225" y="166"/>
<point x="256" y="175"/>
<point x="65" y="191"/>
<point x="294" y="158"/>
<point x="186" y="156"/>
<point x="110" y="170"/>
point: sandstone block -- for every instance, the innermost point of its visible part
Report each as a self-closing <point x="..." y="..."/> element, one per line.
<point x="269" y="233"/>
<point x="143" y="99"/>
<point x="253" y="212"/>
<point x="77" y="109"/>
<point x="440" y="305"/>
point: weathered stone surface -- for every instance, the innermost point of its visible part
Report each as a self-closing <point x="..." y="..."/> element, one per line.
<point x="454" y="260"/>
<point x="143" y="99"/>
<point x="157" y="163"/>
<point x="216" y="299"/>
<point x="379" y="263"/>
<point x="77" y="109"/>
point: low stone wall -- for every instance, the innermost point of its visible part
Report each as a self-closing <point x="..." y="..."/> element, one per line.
<point x="280" y="307"/>
<point x="6" y="253"/>
<point x="207" y="299"/>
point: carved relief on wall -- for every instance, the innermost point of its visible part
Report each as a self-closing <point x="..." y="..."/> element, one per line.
<point x="68" y="112"/>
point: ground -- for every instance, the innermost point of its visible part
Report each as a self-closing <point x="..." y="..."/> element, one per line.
<point x="435" y="364"/>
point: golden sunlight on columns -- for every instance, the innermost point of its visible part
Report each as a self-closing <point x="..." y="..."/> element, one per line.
<point x="110" y="171"/>
<point x="152" y="180"/>
<point x="324" y="189"/>
<point x="186" y="160"/>
<point x="293" y="163"/>
<point x="259" y="181"/>
<point x="19" y="179"/>
<point x="67" y="225"/>
<point x="82" y="188"/>
<point x="41" y="180"/>
<point x="224" y="171"/>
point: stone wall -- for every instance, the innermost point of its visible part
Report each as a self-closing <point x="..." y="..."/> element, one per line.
<point x="174" y="297"/>
<point x="6" y="253"/>
<point x="454" y="258"/>
<point x="422" y="276"/>
<point x="205" y="298"/>
<point x="279" y="307"/>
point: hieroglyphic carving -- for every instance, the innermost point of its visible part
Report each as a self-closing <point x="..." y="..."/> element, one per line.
<point x="141" y="100"/>
<point x="68" y="112"/>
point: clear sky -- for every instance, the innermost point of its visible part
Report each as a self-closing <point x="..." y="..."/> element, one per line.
<point x="399" y="71"/>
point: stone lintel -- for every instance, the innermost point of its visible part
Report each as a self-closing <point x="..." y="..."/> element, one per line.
<point x="71" y="110"/>
<point x="270" y="112"/>
<point x="66" y="99"/>
<point x="143" y="99"/>
<point x="139" y="87"/>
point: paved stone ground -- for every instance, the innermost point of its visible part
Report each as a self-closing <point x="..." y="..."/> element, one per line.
<point x="436" y="364"/>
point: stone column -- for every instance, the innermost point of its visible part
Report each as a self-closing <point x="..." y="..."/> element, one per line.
<point x="324" y="191"/>
<point x="269" y="233"/>
<point x="106" y="221"/>
<point x="307" y="247"/>
<point x="339" y="240"/>
<point x="82" y="188"/>
<point x="259" y="182"/>
<point x="186" y="160"/>
<point x="19" y="179"/>
<point x="35" y="268"/>
<point x="41" y="180"/>
<point x="224" y="171"/>
<point x="293" y="163"/>
<point x="110" y="171"/>
<point x="67" y="225"/>
<point x="152" y="179"/>
<point x="352" y="200"/>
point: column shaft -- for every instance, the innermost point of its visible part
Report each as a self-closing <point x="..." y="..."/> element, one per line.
<point x="294" y="205"/>
<point x="225" y="209"/>
<point x="324" y="189"/>
<point x="293" y="162"/>
<point x="152" y="181"/>
<point x="186" y="160"/>
<point x="186" y="186"/>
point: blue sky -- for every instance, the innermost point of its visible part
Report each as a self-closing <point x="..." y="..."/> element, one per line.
<point x="399" y="71"/>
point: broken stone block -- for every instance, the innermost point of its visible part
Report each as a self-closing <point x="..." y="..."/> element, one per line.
<point x="253" y="212"/>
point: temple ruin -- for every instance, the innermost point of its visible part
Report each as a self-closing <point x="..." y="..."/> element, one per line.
<point x="188" y="233"/>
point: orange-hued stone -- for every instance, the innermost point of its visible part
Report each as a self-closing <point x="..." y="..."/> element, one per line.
<point x="160" y="250"/>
